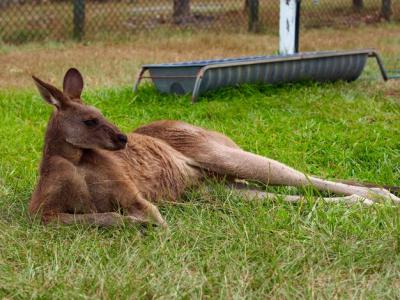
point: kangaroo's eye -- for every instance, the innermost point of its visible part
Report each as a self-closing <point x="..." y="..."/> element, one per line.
<point x="91" y="122"/>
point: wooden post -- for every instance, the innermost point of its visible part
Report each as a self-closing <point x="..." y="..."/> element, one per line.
<point x="252" y="11"/>
<point x="79" y="19"/>
<point x="386" y="10"/>
<point x="181" y="11"/>
<point x="289" y="26"/>
<point x="358" y="5"/>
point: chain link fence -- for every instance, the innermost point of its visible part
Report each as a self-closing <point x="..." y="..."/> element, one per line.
<point x="31" y="20"/>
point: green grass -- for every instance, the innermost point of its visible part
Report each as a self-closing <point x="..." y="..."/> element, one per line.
<point x="218" y="246"/>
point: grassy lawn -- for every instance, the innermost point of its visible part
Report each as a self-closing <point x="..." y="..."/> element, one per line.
<point x="218" y="246"/>
<point x="110" y="64"/>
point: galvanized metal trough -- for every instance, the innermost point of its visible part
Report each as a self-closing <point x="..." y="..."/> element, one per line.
<point x="197" y="77"/>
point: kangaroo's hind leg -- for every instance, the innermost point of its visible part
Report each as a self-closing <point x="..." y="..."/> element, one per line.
<point x="238" y="163"/>
<point x="253" y="193"/>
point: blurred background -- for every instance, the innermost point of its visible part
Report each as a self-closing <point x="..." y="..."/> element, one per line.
<point x="109" y="39"/>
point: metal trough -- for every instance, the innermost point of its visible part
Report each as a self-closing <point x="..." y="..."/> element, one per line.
<point x="197" y="77"/>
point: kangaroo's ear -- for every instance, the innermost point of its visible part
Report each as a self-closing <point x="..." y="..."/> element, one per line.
<point x="73" y="84"/>
<point x="50" y="94"/>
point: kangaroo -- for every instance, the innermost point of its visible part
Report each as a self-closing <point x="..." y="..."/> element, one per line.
<point x="92" y="173"/>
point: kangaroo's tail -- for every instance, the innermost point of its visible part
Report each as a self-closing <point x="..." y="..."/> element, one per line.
<point x="393" y="189"/>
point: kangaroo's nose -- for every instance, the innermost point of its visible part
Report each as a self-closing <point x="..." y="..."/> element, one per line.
<point x="122" y="138"/>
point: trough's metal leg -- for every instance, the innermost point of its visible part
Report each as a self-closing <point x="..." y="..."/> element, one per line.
<point x="197" y="84"/>
<point x="138" y="79"/>
<point x="380" y="64"/>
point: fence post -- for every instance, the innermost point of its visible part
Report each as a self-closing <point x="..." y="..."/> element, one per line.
<point x="289" y="24"/>
<point x="181" y="11"/>
<point x="358" y="5"/>
<point x="386" y="10"/>
<point x="252" y="11"/>
<point x="79" y="19"/>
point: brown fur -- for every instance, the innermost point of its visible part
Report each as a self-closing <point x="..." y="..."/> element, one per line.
<point x="91" y="173"/>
